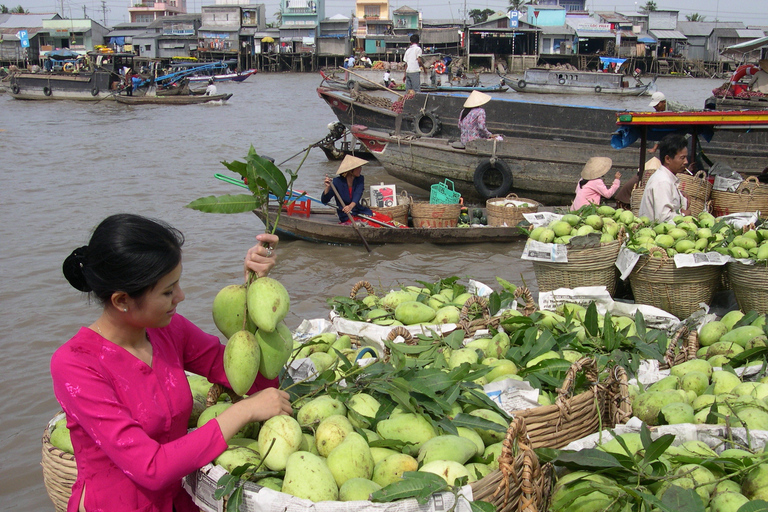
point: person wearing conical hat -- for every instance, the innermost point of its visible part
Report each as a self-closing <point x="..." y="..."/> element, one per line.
<point x="472" y="118"/>
<point x="591" y="187"/>
<point x="350" y="185"/>
<point x="624" y="195"/>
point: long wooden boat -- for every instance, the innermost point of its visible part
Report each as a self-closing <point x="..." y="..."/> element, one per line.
<point x="172" y="100"/>
<point x="753" y="103"/>
<point x="323" y="226"/>
<point x="555" y="81"/>
<point x="225" y="77"/>
<point x="464" y="88"/>
<point x="564" y="136"/>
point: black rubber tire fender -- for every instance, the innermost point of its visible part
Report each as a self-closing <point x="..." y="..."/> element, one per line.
<point x="521" y="84"/>
<point x="561" y="81"/>
<point x="351" y="84"/>
<point x="427" y="124"/>
<point x="15" y="89"/>
<point x="598" y="89"/>
<point x="95" y="91"/>
<point x="47" y="91"/>
<point x="483" y="169"/>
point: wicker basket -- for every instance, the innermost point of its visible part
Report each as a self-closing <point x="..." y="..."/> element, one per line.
<point x="427" y="215"/>
<point x="605" y="405"/>
<point x="682" y="347"/>
<point x="657" y="282"/>
<point x="647" y="173"/>
<point x="593" y="266"/>
<point x="59" y="471"/>
<point x="749" y="197"/>
<point x="398" y="212"/>
<point x="750" y="285"/>
<point x="520" y="484"/>
<point x="500" y="214"/>
<point x="698" y="189"/>
<point x="635" y="198"/>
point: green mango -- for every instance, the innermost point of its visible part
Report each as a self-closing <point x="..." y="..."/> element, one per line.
<point x="362" y="407"/>
<point x="742" y="335"/>
<point x="712" y="332"/>
<point x="477" y="471"/>
<point x="413" y="312"/>
<point x="694" y="365"/>
<point x="308" y="476"/>
<point x="242" y="357"/>
<point x="394" y="298"/>
<point x="448" y="469"/>
<point x="287" y="436"/>
<point x="490" y="436"/>
<point x="391" y="469"/>
<point x="276" y="348"/>
<point x="229" y="310"/>
<point x="60" y="438"/>
<point x="351" y="459"/>
<point x="268" y="303"/>
<point x="358" y="489"/>
<point x="407" y="427"/>
<point x="331" y="432"/>
<point x="447" y="447"/>
<point x="237" y="456"/>
<point x="317" y="409"/>
<point x="271" y="482"/>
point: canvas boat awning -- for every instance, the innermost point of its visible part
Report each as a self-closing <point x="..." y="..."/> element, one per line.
<point x="667" y="34"/>
<point x="747" y="46"/>
<point x="642" y="37"/>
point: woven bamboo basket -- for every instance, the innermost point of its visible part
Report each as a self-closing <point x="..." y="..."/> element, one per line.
<point x="59" y="472"/>
<point x="750" y="285"/>
<point x="398" y="212"/>
<point x="427" y="215"/>
<point x="501" y="213"/>
<point x="682" y="347"/>
<point x="647" y="173"/>
<point x="520" y="484"/>
<point x="749" y="197"/>
<point x="592" y="266"/>
<point x="698" y="189"/>
<point x="605" y="405"/>
<point x="657" y="282"/>
<point x="635" y="198"/>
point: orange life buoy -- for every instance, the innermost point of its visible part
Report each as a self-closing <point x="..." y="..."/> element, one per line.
<point x="440" y="67"/>
<point x="744" y="70"/>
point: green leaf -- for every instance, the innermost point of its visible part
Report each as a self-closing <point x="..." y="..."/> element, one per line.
<point x="469" y="421"/>
<point x="677" y="499"/>
<point x="591" y="458"/>
<point x="494" y="303"/>
<point x="414" y="484"/>
<point x="236" y="166"/>
<point x="268" y="171"/>
<point x="754" y="506"/>
<point x="239" y="203"/>
<point x="482" y="506"/>
<point x="658" y="447"/>
<point x="590" y="320"/>
<point x="234" y="502"/>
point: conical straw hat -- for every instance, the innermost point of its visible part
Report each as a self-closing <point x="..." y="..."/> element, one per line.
<point x="476" y="99"/>
<point x="596" y="167"/>
<point x="652" y="164"/>
<point x="349" y="163"/>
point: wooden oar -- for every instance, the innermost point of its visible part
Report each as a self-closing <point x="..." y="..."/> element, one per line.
<point x="374" y="83"/>
<point x="342" y="206"/>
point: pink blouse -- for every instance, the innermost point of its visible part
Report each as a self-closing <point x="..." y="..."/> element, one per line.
<point x="593" y="192"/>
<point x="128" y="421"/>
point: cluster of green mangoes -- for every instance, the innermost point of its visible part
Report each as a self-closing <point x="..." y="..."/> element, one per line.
<point x="721" y="340"/>
<point x="695" y="393"/>
<point x="60" y="436"/>
<point x="324" y="451"/>
<point x="413" y="305"/>
<point x="251" y="317"/>
<point x="605" y="220"/>
<point x="724" y="482"/>
<point x="683" y="235"/>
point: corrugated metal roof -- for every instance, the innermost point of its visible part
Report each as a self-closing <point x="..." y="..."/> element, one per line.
<point x="559" y="29"/>
<point x="667" y="34"/>
<point x="594" y="34"/>
<point x="749" y="33"/>
<point x="26" y="20"/>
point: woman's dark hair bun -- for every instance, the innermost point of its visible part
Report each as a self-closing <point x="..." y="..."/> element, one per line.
<point x="73" y="269"/>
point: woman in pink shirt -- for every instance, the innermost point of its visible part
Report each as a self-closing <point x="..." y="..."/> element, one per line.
<point x="591" y="188"/>
<point x="121" y="380"/>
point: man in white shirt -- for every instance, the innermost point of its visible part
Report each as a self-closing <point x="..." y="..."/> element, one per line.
<point x="662" y="199"/>
<point x="211" y="89"/>
<point x="414" y="65"/>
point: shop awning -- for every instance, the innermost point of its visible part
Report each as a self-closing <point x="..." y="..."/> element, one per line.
<point x="747" y="46"/>
<point x="595" y="34"/>
<point x="645" y="38"/>
<point x="667" y="34"/>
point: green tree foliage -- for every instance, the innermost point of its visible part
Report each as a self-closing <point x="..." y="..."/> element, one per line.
<point x="650" y="6"/>
<point x="479" y="16"/>
<point x="515" y="5"/>
<point x="694" y="17"/>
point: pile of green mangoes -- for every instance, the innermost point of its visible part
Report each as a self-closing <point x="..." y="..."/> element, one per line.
<point x="590" y="219"/>
<point x="633" y="470"/>
<point x="722" y="340"/>
<point x="696" y="393"/>
<point x="60" y="436"/>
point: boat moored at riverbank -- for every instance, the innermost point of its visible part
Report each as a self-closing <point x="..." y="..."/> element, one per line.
<point x="556" y="81"/>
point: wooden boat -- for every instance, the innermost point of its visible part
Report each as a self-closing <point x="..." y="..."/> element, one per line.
<point x="578" y="132"/>
<point x="501" y="87"/>
<point x="225" y="77"/>
<point x="554" y="81"/>
<point x="171" y="100"/>
<point x="346" y="83"/>
<point x="323" y="226"/>
<point x="753" y="103"/>
<point x="94" y="84"/>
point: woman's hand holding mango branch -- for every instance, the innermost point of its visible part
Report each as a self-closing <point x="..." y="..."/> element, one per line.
<point x="260" y="406"/>
<point x="261" y="258"/>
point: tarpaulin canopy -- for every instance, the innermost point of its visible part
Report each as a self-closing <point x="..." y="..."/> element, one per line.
<point x="612" y="60"/>
<point x="267" y="39"/>
<point x="747" y="46"/>
<point x="62" y="54"/>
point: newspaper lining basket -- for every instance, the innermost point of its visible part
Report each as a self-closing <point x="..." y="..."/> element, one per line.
<point x="698" y="189"/>
<point x="398" y="212"/>
<point x="59" y="472"/>
<point x="605" y="405"/>
<point x="500" y="214"/>
<point x="750" y="285"/>
<point x="426" y="215"/>
<point x="657" y="282"/>
<point x="749" y="197"/>
<point x="592" y="266"/>
<point x="520" y="484"/>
